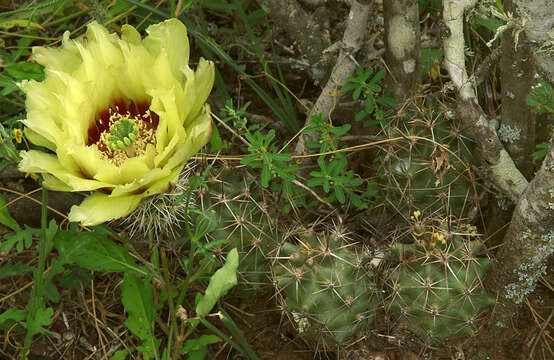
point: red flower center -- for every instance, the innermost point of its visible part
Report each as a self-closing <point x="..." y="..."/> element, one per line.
<point x="139" y="113"/>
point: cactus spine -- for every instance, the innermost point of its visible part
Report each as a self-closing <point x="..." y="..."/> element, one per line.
<point x="436" y="289"/>
<point x="242" y="221"/>
<point x="322" y="283"/>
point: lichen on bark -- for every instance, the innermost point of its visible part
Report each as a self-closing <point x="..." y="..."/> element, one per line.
<point x="402" y="44"/>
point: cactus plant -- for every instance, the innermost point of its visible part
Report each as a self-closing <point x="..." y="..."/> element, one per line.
<point x="429" y="174"/>
<point x="323" y="285"/>
<point x="436" y="289"/>
<point x="242" y="220"/>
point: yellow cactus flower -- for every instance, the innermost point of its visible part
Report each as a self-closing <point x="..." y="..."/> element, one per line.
<point x="121" y="116"/>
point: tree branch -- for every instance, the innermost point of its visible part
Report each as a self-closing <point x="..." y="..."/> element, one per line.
<point x="502" y="170"/>
<point x="345" y="66"/>
<point x="528" y="243"/>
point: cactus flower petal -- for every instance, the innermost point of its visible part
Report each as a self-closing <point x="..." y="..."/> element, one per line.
<point x="120" y="116"/>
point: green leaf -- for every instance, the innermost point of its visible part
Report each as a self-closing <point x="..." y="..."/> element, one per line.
<point x="25" y="70"/>
<point x="266" y="176"/>
<point x="379" y="76"/>
<point x="216" y="143"/>
<point x="95" y="252"/>
<point x="199" y="343"/>
<point x="542" y="149"/>
<point x="43" y="317"/>
<point x="220" y="282"/>
<point x="8" y="24"/>
<point x="137" y="299"/>
<point x="339" y="193"/>
<point x="8" y="269"/>
<point x="5" y="217"/>
<point x="22" y="237"/>
<point x="120" y="355"/>
<point x="11" y="316"/>
<point x="199" y="354"/>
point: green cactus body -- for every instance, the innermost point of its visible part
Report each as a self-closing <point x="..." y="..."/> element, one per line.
<point x="242" y="221"/>
<point x="427" y="175"/>
<point x="437" y="290"/>
<point x="323" y="284"/>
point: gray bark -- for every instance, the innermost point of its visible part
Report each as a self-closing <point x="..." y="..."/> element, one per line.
<point x="345" y="66"/>
<point x="517" y="123"/>
<point x="306" y="29"/>
<point x="402" y="44"/>
<point x="528" y="243"/>
<point x="539" y="29"/>
<point x="502" y="170"/>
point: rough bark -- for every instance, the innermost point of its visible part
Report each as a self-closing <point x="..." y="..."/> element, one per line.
<point x="305" y="28"/>
<point x="402" y="44"/>
<point x="540" y="34"/>
<point x="517" y="125"/>
<point x="528" y="243"/>
<point x="529" y="240"/>
<point x="345" y="66"/>
<point x="502" y="170"/>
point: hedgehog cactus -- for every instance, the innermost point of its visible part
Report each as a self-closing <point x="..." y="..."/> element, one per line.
<point x="430" y="173"/>
<point x="324" y="286"/>
<point x="436" y="289"/>
<point x="242" y="221"/>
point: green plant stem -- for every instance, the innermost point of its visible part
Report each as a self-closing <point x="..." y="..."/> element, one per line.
<point x="219" y="333"/>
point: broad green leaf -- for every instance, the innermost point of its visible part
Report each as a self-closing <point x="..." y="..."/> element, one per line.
<point x="220" y="282"/>
<point x="5" y="217"/>
<point x="199" y="354"/>
<point x="10" y="316"/>
<point x="95" y="252"/>
<point x="43" y="317"/>
<point x="136" y="296"/>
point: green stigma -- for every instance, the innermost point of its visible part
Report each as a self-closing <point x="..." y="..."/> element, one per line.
<point x="123" y="134"/>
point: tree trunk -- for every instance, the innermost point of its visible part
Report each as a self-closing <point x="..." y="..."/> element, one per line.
<point x="528" y="243"/>
<point x="402" y="43"/>
<point x="517" y="125"/>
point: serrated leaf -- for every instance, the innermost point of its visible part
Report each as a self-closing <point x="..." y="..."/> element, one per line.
<point x="23" y="238"/>
<point x="220" y="282"/>
<point x="8" y="269"/>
